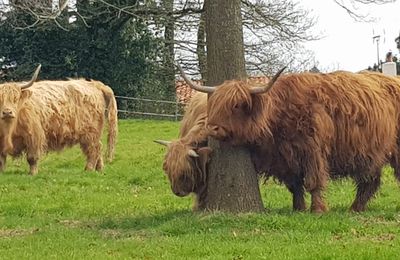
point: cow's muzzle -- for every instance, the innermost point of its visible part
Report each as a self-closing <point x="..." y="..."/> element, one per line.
<point x="7" y="114"/>
<point x="179" y="192"/>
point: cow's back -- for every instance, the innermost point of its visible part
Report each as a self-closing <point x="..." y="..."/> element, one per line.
<point x="68" y="111"/>
<point x="352" y="115"/>
<point x="194" y="121"/>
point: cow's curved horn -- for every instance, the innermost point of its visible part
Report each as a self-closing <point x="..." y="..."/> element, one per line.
<point x="162" y="142"/>
<point x="192" y="153"/>
<point x="34" y="77"/>
<point x="263" y="89"/>
<point x="205" y="89"/>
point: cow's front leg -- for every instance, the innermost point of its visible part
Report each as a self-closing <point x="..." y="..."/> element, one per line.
<point x="33" y="165"/>
<point x="3" y="158"/>
<point x="296" y="186"/>
<point x="316" y="176"/>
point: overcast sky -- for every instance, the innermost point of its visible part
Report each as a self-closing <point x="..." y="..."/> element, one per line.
<point x="348" y="45"/>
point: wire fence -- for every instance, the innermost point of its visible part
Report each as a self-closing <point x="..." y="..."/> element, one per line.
<point x="130" y="107"/>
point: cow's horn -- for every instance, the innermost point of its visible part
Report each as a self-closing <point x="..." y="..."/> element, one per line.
<point x="263" y="89"/>
<point x="192" y="153"/>
<point x="162" y="142"/>
<point x="34" y="77"/>
<point x="205" y="89"/>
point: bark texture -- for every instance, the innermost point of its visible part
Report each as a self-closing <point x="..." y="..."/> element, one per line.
<point x="232" y="180"/>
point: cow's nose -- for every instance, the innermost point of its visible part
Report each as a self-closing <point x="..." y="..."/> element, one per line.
<point x="179" y="193"/>
<point x="7" y="113"/>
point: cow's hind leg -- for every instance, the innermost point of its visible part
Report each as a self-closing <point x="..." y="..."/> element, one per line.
<point x="366" y="188"/>
<point x="93" y="155"/>
<point x="395" y="163"/>
<point x="99" y="164"/>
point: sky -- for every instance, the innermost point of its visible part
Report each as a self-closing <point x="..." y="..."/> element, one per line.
<point x="347" y="44"/>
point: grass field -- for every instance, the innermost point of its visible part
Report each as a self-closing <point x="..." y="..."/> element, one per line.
<point x="129" y="212"/>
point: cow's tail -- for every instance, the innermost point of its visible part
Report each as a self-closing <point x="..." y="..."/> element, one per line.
<point x="112" y="116"/>
<point x="112" y="128"/>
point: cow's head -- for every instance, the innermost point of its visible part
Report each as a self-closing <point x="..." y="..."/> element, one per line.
<point x="12" y="96"/>
<point x="185" y="167"/>
<point x="234" y="108"/>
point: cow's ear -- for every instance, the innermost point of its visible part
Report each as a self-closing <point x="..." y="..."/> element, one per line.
<point x="25" y="94"/>
<point x="204" y="157"/>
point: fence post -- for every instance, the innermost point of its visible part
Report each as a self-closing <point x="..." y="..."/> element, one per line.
<point x="123" y="107"/>
<point x="176" y="109"/>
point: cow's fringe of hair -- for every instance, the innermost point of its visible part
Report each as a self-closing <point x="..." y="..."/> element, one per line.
<point x="178" y="163"/>
<point x="25" y="126"/>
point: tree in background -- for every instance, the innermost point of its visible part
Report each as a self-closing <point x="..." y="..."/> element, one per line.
<point x="273" y="32"/>
<point x="352" y="7"/>
<point x="107" y="45"/>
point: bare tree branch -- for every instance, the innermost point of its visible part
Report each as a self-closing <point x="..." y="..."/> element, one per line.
<point x="352" y="8"/>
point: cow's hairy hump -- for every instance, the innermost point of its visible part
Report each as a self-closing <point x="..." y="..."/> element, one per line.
<point x="194" y="121"/>
<point x="66" y="109"/>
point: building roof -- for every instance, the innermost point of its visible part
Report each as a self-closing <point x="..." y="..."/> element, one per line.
<point x="184" y="93"/>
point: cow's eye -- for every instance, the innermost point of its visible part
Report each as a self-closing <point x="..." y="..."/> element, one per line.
<point x="245" y="107"/>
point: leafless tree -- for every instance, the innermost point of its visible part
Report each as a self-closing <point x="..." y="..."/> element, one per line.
<point x="274" y="32"/>
<point x="352" y="7"/>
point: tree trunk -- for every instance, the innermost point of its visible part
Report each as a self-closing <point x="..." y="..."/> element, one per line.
<point x="201" y="47"/>
<point x="169" y="66"/>
<point x="232" y="184"/>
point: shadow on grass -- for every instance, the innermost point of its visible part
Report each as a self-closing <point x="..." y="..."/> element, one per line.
<point x="144" y="222"/>
<point x="177" y="222"/>
<point x="185" y="222"/>
<point x="13" y="172"/>
<point x="181" y="222"/>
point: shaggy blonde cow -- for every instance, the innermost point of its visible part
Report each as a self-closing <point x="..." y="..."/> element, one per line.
<point x="186" y="158"/>
<point x="37" y="117"/>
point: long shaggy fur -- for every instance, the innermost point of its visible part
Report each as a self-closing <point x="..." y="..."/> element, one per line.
<point x="186" y="173"/>
<point x="311" y="126"/>
<point x="59" y="114"/>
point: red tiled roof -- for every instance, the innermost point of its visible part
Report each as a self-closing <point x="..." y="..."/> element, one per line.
<point x="184" y="93"/>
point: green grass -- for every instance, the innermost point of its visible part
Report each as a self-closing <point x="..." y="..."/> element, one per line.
<point x="129" y="212"/>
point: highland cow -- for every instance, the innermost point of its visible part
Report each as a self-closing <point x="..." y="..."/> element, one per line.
<point x="304" y="128"/>
<point x="185" y="162"/>
<point x="37" y="117"/>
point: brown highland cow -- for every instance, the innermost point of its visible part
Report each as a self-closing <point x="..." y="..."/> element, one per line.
<point x="186" y="158"/>
<point x="37" y="117"/>
<point x="304" y="128"/>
